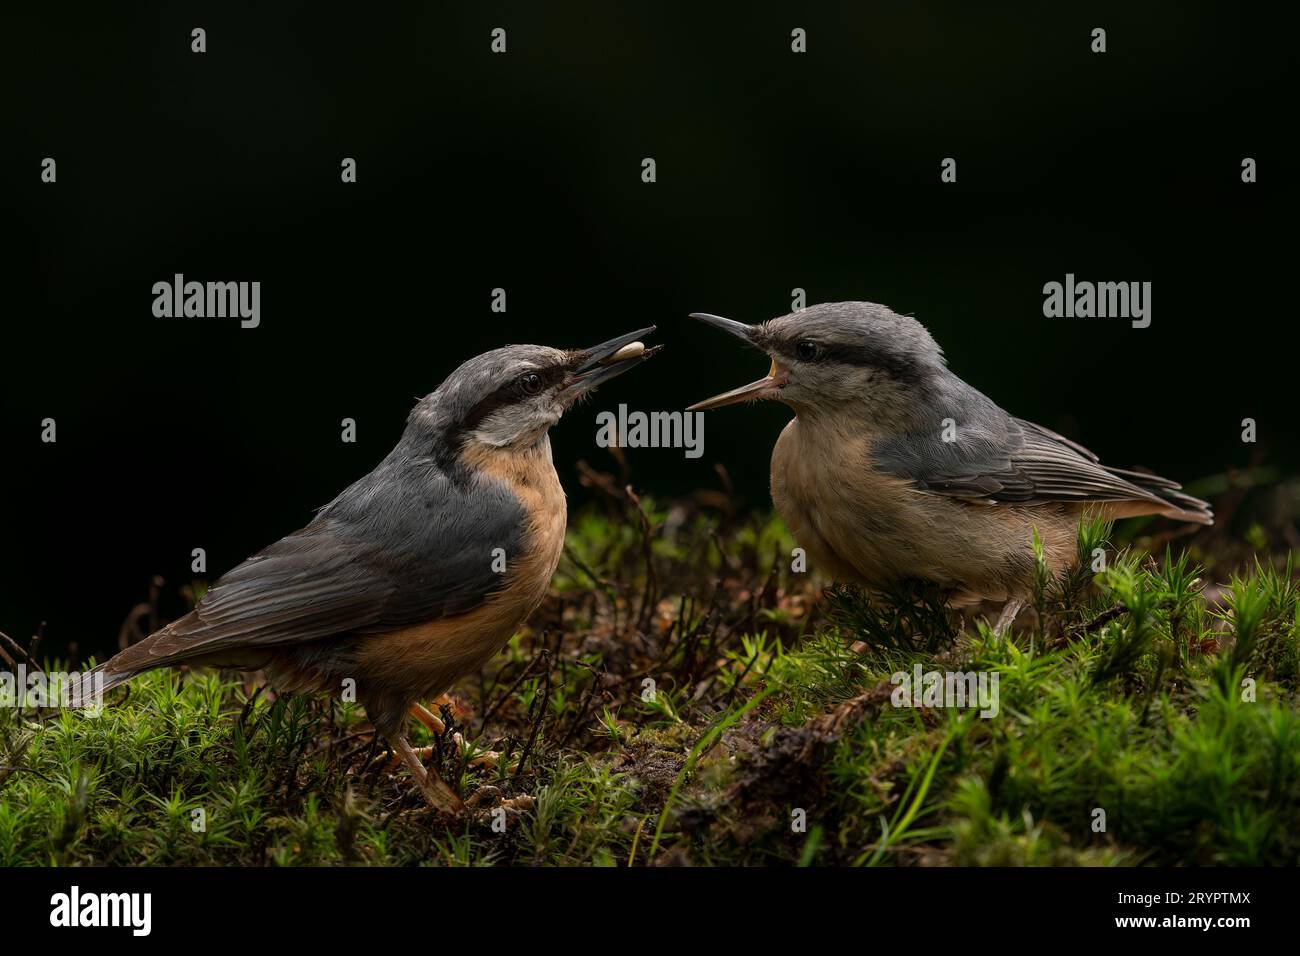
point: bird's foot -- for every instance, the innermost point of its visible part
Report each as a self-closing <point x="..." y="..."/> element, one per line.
<point x="435" y="790"/>
<point x="485" y="758"/>
<point x="485" y="800"/>
<point x="439" y="796"/>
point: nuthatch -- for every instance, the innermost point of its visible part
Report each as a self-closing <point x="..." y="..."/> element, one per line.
<point x="893" y="468"/>
<point x="420" y="571"/>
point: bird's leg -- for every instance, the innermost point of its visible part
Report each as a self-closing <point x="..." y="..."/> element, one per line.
<point x="436" y="792"/>
<point x="438" y="728"/>
<point x="1007" y="617"/>
<point x="429" y="719"/>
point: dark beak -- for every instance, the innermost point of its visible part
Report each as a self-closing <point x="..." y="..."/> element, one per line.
<point x="739" y="329"/>
<point x="590" y="367"/>
<point x="765" y="387"/>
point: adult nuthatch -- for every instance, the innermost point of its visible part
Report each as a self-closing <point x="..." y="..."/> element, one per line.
<point x="418" y="572"/>
<point x="894" y="468"/>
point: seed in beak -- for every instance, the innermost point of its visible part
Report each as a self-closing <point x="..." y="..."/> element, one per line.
<point x="630" y="351"/>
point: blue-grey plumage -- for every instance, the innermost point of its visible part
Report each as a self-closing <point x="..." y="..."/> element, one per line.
<point x="419" y="571"/>
<point x="894" y="468"/>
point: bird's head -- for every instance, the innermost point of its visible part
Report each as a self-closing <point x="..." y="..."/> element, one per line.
<point x="831" y="356"/>
<point x="509" y="397"/>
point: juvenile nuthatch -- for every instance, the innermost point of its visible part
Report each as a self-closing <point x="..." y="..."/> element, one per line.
<point x="893" y="468"/>
<point x="420" y="571"/>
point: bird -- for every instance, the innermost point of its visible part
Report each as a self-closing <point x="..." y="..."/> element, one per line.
<point x="417" y="573"/>
<point x="894" y="469"/>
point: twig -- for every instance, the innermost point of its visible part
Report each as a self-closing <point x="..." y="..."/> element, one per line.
<point x="584" y="706"/>
<point x="32" y="651"/>
<point x="741" y="678"/>
<point x="540" y="702"/>
<point x="127" y="633"/>
<point x="496" y="705"/>
<point x="10" y="768"/>
<point x="650" y="595"/>
<point x="14" y="644"/>
<point x="1105" y="617"/>
<point x="595" y="578"/>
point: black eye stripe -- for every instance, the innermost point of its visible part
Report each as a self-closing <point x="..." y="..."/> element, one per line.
<point x="509" y="394"/>
<point x="900" y="367"/>
<point x="486" y="406"/>
<point x="552" y="374"/>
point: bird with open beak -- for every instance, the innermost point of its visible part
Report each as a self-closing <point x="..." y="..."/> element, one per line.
<point x="893" y="468"/>
<point x="420" y="571"/>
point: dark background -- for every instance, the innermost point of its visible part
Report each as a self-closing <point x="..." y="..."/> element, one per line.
<point x="522" y="171"/>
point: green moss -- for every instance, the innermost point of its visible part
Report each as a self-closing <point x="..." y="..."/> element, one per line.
<point x="720" y="710"/>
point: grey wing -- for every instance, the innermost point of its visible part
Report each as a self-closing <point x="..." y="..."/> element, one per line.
<point x="1000" y="458"/>
<point x="403" y="545"/>
<point x="1031" y="465"/>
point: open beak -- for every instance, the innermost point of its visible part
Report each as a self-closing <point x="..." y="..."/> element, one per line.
<point x="766" y="387"/>
<point x="600" y="363"/>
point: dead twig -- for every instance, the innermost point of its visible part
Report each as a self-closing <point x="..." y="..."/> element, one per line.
<point x="16" y="647"/>
<point x="540" y="703"/>
<point x="650" y="594"/>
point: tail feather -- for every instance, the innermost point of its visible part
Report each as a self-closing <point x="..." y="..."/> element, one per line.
<point x="136" y="659"/>
<point x="1182" y="506"/>
<point x="92" y="685"/>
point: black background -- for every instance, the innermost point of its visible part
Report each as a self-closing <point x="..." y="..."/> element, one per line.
<point x="522" y="170"/>
<point x="304" y="903"/>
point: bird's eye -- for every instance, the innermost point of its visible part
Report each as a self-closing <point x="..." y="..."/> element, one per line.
<point x="806" y="350"/>
<point x="530" y="383"/>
